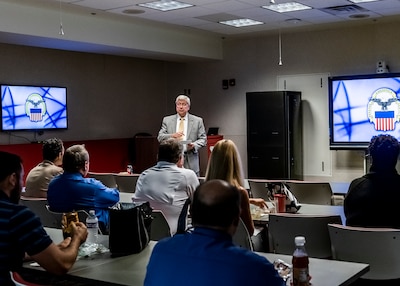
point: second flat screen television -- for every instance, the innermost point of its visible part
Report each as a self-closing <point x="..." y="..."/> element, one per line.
<point x="363" y="106"/>
<point x="34" y="108"/>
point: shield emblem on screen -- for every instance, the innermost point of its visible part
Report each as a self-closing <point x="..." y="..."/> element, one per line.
<point x="35" y="107"/>
<point x="384" y="109"/>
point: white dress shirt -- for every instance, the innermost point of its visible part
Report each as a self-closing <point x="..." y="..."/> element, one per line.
<point x="166" y="187"/>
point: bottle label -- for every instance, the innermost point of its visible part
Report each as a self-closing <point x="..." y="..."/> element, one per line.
<point x="91" y="225"/>
<point x="300" y="277"/>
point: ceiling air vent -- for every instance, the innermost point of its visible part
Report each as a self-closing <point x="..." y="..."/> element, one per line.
<point x="344" y="10"/>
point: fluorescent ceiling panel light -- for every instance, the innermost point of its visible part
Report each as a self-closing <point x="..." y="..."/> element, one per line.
<point x="287" y="7"/>
<point x="362" y="1"/>
<point x="241" y="22"/>
<point x="165" y="5"/>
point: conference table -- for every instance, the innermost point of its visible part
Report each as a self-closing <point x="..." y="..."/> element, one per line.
<point x="309" y="209"/>
<point x="102" y="269"/>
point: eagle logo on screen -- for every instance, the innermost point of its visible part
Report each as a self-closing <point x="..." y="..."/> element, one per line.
<point x="35" y="107"/>
<point x="384" y="109"/>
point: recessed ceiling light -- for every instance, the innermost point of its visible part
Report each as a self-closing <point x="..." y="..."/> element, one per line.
<point x="241" y="22"/>
<point x="287" y="7"/>
<point x="362" y="1"/>
<point x="165" y="5"/>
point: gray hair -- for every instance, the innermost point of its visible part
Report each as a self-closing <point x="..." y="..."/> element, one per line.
<point x="183" y="97"/>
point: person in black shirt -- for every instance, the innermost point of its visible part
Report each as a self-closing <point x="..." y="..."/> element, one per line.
<point x="371" y="200"/>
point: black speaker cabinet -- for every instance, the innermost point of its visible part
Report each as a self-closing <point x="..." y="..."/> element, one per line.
<point x="274" y="135"/>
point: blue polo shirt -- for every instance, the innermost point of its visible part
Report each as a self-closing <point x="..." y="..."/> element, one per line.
<point x="20" y="231"/>
<point x="207" y="257"/>
<point x="71" y="191"/>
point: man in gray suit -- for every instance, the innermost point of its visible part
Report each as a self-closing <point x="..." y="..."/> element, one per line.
<point x="188" y="128"/>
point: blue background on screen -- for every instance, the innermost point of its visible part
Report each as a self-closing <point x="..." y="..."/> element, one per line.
<point x="350" y="97"/>
<point x="13" y="105"/>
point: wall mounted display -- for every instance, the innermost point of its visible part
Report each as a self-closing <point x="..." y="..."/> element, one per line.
<point x="363" y="106"/>
<point x="34" y="108"/>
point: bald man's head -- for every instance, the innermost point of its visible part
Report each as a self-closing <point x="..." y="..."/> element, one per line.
<point x="216" y="204"/>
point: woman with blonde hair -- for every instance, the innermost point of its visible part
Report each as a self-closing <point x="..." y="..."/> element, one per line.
<point x="225" y="164"/>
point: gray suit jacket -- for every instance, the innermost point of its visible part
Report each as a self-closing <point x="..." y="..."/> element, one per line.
<point x="195" y="132"/>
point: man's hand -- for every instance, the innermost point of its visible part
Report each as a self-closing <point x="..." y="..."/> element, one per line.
<point x="177" y="135"/>
<point x="79" y="230"/>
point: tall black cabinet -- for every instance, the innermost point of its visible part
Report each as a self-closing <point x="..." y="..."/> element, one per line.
<point x="274" y="135"/>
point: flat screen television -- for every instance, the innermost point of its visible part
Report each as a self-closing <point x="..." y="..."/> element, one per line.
<point x="37" y="108"/>
<point x="361" y="106"/>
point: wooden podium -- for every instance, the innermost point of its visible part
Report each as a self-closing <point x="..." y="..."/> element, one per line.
<point x="146" y="149"/>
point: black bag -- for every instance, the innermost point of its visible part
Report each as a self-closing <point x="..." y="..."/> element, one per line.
<point x="129" y="228"/>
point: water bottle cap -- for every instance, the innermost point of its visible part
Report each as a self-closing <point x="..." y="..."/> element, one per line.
<point x="92" y="212"/>
<point x="299" y="240"/>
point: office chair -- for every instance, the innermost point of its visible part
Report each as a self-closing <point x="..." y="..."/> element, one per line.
<point x="108" y="179"/>
<point x="159" y="226"/>
<point x="284" y="227"/>
<point x="308" y="192"/>
<point x="82" y="215"/>
<point x="38" y="206"/>
<point x="242" y="237"/>
<point x="126" y="183"/>
<point x="378" y="247"/>
<point x="258" y="189"/>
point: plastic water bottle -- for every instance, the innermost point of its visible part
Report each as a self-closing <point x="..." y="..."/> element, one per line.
<point x="300" y="272"/>
<point x="92" y="224"/>
<point x="129" y="169"/>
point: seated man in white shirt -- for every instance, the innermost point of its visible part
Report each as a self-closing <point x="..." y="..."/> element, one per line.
<point x="165" y="185"/>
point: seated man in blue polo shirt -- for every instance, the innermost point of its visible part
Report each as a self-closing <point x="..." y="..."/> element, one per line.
<point x="72" y="191"/>
<point x="207" y="256"/>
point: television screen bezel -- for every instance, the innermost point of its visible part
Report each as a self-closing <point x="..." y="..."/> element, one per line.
<point x="35" y="129"/>
<point x="349" y="145"/>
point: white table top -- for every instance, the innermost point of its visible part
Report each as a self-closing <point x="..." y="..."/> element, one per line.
<point x="131" y="269"/>
<point x="327" y="272"/>
<point x="310" y="209"/>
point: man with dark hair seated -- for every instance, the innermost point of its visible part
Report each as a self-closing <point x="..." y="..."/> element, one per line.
<point x="38" y="179"/>
<point x="207" y="255"/>
<point x="22" y="232"/>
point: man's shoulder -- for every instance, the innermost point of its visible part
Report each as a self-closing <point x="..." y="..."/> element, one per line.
<point x="170" y="117"/>
<point x="188" y="173"/>
<point x="194" y="117"/>
<point x="250" y="256"/>
<point x="233" y="254"/>
<point x="9" y="209"/>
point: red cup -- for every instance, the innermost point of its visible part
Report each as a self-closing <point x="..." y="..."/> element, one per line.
<point x="280" y="203"/>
